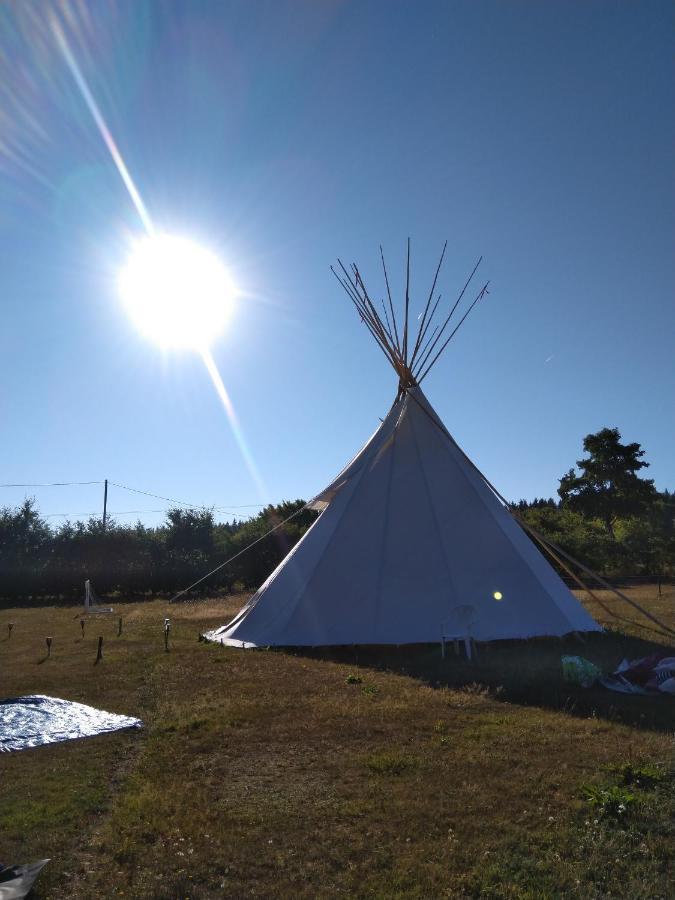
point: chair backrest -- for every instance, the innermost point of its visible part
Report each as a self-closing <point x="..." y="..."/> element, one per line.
<point x="460" y="618"/>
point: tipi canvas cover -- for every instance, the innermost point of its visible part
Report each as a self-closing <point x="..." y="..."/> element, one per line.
<point x="409" y="530"/>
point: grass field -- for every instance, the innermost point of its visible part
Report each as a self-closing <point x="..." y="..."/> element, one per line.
<point x="356" y="772"/>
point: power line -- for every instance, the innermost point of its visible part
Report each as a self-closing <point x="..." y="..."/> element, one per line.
<point x="120" y="512"/>
<point x="126" y="487"/>
<point x="97" y="512"/>
<point x="50" y="484"/>
<point x="183" y="502"/>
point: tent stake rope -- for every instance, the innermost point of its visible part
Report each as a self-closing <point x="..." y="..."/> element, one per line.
<point x="543" y="540"/>
<point x="236" y="555"/>
<point x="597" y="577"/>
<point x="572" y="574"/>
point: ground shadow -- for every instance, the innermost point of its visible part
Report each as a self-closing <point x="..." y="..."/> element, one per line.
<point x="527" y="672"/>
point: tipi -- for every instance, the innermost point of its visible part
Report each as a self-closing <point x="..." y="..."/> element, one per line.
<point x="408" y="531"/>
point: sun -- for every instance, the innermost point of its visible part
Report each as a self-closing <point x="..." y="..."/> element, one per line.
<point x="176" y="292"/>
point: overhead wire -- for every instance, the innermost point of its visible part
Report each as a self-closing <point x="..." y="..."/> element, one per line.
<point x="228" y="508"/>
<point x="110" y="513"/>
<point x="126" y="487"/>
<point x="51" y="484"/>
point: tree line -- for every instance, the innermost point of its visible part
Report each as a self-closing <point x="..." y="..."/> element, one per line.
<point x="37" y="561"/>
<point x="606" y="515"/>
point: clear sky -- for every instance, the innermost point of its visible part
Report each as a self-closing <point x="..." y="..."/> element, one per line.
<point x="283" y="135"/>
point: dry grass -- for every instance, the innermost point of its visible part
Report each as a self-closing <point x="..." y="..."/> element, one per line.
<point x="274" y="774"/>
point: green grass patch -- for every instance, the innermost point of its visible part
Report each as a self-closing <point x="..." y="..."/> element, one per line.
<point x="391" y="763"/>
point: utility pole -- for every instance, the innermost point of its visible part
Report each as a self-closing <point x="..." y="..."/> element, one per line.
<point x="105" y="502"/>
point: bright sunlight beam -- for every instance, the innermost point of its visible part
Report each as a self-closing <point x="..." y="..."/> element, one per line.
<point x="97" y="116"/>
<point x="247" y="456"/>
<point x="177" y="293"/>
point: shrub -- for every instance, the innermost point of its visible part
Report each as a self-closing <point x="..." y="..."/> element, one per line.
<point x="645" y="777"/>
<point x="611" y="802"/>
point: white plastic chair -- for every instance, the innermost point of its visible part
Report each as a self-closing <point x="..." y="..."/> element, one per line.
<point x="459" y="627"/>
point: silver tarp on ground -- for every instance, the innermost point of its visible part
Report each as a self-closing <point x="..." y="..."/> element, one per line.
<point x="31" y="721"/>
<point x="17" y="881"/>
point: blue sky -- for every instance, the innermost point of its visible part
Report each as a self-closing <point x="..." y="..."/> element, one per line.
<point x="283" y="135"/>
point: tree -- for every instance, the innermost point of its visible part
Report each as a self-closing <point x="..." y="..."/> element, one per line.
<point x="189" y="543"/>
<point x="190" y="530"/>
<point x="608" y="486"/>
<point x="24" y="548"/>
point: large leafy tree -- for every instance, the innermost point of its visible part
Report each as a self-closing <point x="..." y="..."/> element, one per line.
<point x="608" y="486"/>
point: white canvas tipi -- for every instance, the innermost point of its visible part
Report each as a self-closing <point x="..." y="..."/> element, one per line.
<point x="408" y="532"/>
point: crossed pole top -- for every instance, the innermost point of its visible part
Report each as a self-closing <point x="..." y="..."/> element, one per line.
<point x="412" y="360"/>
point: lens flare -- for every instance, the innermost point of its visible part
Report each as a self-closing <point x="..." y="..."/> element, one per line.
<point x="247" y="456"/>
<point x="101" y="124"/>
<point x="176" y="292"/>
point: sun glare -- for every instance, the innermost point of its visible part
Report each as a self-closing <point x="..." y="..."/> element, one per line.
<point x="176" y="292"/>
